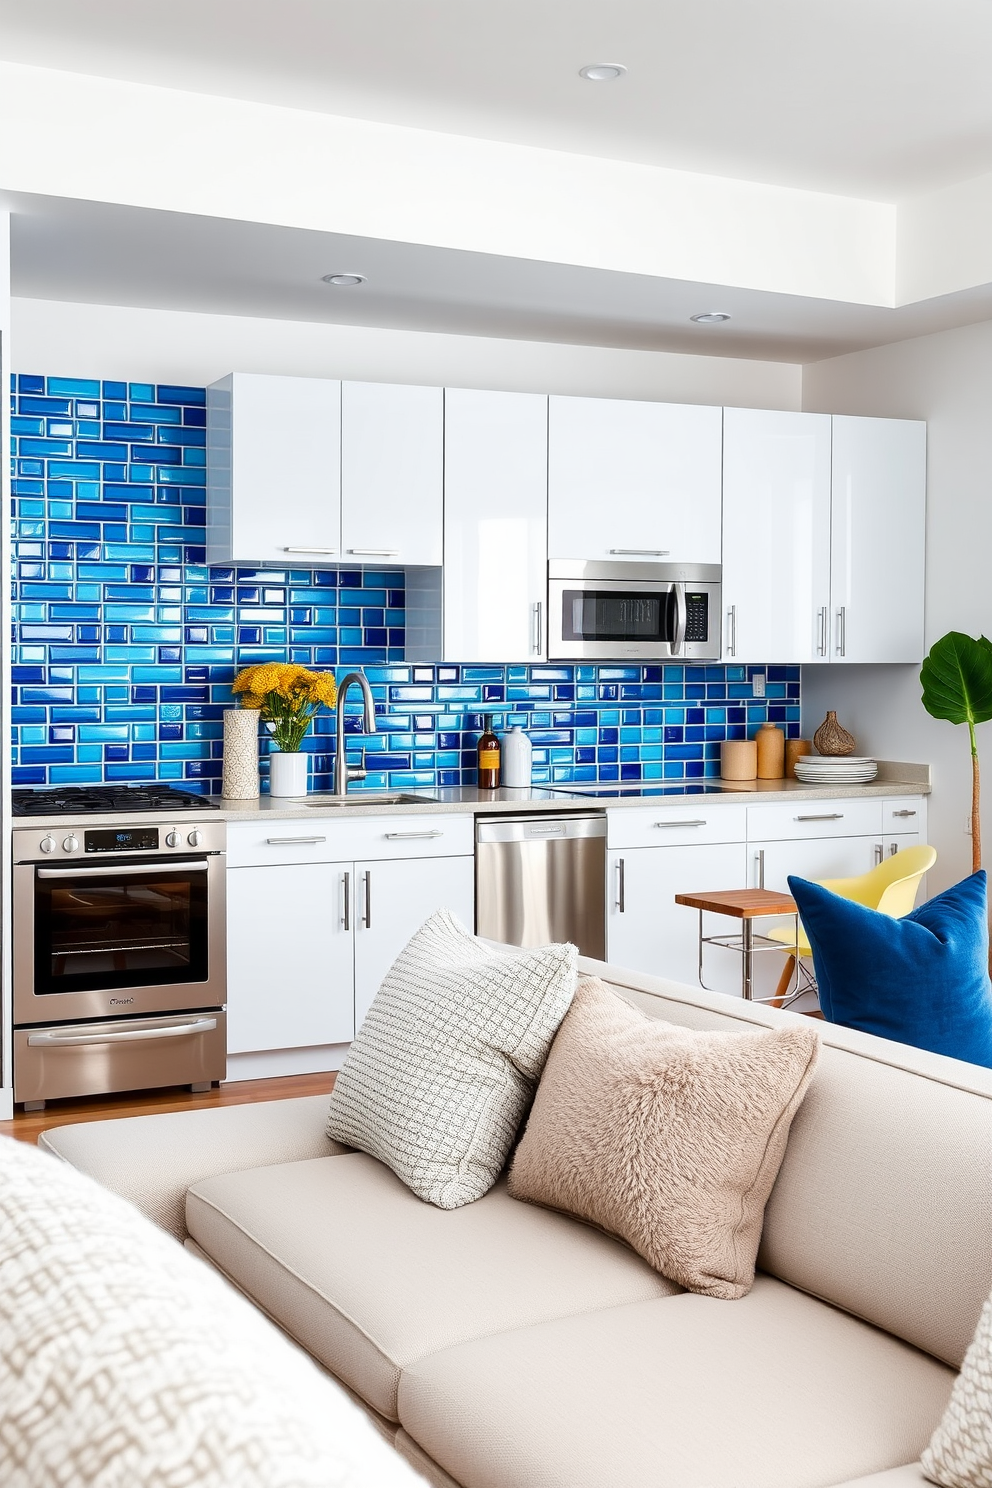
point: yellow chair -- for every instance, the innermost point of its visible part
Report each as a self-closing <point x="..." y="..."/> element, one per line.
<point x="890" y="888"/>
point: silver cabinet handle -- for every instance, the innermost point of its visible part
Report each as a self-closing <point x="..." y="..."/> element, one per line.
<point x="641" y="552"/>
<point x="293" y="841"/>
<point x="64" y="1039"/>
<point x="696" y="823"/>
<point x="537" y="634"/>
<point x="879" y="853"/>
<point x="904" y="813"/>
<point x="374" y="552"/>
<point x="120" y="870"/>
<point x="310" y="550"/>
<point x="732" y="631"/>
<point x="410" y="836"/>
<point x="842" y="631"/>
<point x="893" y="849"/>
<point x="759" y="868"/>
<point x="368" y="899"/>
<point x="827" y="816"/>
<point x="620" y="886"/>
<point x="346" y="910"/>
<point x="821" y="644"/>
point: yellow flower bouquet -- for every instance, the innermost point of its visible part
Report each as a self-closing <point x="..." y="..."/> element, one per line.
<point x="288" y="697"/>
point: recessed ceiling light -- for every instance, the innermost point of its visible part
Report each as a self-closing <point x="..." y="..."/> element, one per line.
<point x="602" y="72"/>
<point x="710" y="317"/>
<point x="343" y="281"/>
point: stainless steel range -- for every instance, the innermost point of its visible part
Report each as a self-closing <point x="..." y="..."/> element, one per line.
<point x="119" y="945"/>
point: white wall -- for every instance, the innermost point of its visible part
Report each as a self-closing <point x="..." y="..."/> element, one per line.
<point x="72" y="340"/>
<point x="947" y="380"/>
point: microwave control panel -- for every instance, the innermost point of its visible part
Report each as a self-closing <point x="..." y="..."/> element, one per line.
<point x="697" y="616"/>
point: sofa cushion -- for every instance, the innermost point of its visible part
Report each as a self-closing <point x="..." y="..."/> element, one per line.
<point x="368" y="1277"/>
<point x="960" y="1452"/>
<point x="441" y="1072"/>
<point x="778" y="1391"/>
<point x="922" y="979"/>
<point x="125" y="1362"/>
<point x="664" y="1136"/>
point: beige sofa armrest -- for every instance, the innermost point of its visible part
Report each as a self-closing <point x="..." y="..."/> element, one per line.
<point x="153" y="1160"/>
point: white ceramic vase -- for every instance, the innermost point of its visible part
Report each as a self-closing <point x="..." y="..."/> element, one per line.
<point x="288" y="773"/>
<point x="240" y="781"/>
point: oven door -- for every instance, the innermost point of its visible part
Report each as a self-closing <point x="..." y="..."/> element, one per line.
<point x="126" y="937"/>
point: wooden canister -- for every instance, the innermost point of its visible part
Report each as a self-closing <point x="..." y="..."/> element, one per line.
<point x="770" y="740"/>
<point x="739" y="759"/>
<point x="795" y="749"/>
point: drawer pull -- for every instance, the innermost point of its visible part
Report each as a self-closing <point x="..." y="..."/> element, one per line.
<point x="904" y="813"/>
<point x="828" y="816"/>
<point x="310" y="550"/>
<point x="641" y="552"/>
<point x="410" y="836"/>
<point x="293" y="841"/>
<point x="700" y="822"/>
<point x="375" y="552"/>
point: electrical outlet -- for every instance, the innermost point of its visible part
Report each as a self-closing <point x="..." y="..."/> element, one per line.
<point x="967" y="825"/>
<point x="758" y="684"/>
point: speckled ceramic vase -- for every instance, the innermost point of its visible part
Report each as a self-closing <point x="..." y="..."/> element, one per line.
<point x="831" y="738"/>
<point x="240" y="781"/>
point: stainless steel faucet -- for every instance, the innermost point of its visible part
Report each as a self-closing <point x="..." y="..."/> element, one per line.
<point x="343" y="772"/>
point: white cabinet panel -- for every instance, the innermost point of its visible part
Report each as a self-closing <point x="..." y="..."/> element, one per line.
<point x="634" y="481"/>
<point x="675" y="826"/>
<point x="776" y="535"/>
<point x="495" y="526"/>
<point x="274" y="470"/>
<point x="647" y="931"/>
<point x="823" y="818"/>
<point x="392" y="464"/>
<point x="393" y="901"/>
<point x="815" y="858"/>
<point x="877" y="539"/>
<point x="290" y="965"/>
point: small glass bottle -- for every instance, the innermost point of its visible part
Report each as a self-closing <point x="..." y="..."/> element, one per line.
<point x="488" y="754"/>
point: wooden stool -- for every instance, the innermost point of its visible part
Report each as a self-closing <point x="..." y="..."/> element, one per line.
<point x="746" y="905"/>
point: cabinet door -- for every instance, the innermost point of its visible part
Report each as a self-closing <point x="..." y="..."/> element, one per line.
<point x="495" y="525"/>
<point x="815" y="858"/>
<point x="274" y="470"/>
<point x="633" y="481"/>
<point x="393" y="899"/>
<point x="647" y="931"/>
<point x="877" y="539"/>
<point x="290" y="958"/>
<point x="391" y="473"/>
<point x="776" y="535"/>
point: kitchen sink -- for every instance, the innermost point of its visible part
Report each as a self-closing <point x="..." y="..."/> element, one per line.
<point x="372" y="798"/>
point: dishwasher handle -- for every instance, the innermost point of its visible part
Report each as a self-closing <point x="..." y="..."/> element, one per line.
<point x="540" y="828"/>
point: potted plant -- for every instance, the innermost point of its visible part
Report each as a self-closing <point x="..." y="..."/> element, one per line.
<point x="957" y="685"/>
<point x="288" y="697"/>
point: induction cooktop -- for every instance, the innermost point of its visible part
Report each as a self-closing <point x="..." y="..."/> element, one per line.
<point x="622" y="788"/>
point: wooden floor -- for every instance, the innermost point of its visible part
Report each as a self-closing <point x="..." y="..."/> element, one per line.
<point x="27" y="1125"/>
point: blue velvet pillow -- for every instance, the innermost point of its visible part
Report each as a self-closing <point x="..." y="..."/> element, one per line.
<point x="922" y="980"/>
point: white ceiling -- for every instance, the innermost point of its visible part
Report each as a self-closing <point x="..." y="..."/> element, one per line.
<point x="873" y="98"/>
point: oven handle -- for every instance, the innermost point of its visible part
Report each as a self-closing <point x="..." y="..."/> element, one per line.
<point x="64" y="1040"/>
<point x="121" y="870"/>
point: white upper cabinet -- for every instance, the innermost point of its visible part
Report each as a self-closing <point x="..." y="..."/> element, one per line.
<point x="776" y="535"/>
<point x="495" y="526"/>
<point x="392" y="467"/>
<point x="273" y="470"/>
<point x="633" y="481"/>
<point x="877" y="544"/>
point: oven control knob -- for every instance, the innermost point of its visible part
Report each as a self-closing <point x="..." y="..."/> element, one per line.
<point x="195" y="837"/>
<point x="71" y="844"/>
<point x="47" y="844"/>
<point x="173" y="838"/>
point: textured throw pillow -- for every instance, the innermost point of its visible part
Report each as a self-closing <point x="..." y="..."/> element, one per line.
<point x="668" y="1138"/>
<point x="442" y="1070"/>
<point x="960" y="1450"/>
<point x="922" y="980"/>
<point x="125" y="1363"/>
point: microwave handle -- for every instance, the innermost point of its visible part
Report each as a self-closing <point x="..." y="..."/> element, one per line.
<point x="681" y="618"/>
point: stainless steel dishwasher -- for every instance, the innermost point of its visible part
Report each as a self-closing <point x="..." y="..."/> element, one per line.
<point x="542" y="878"/>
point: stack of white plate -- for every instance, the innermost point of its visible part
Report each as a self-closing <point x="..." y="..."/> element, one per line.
<point x="817" y="769"/>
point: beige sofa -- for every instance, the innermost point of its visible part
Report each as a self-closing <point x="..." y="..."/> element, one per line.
<point x="504" y="1346"/>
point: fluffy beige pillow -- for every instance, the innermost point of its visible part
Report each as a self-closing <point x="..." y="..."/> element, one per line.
<point x="670" y="1139"/>
<point x="444" y="1066"/>
<point x="960" y="1450"/>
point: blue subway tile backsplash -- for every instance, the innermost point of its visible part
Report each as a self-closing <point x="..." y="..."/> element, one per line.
<point x="126" y="642"/>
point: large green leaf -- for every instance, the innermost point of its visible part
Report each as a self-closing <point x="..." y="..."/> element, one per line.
<point x="957" y="679"/>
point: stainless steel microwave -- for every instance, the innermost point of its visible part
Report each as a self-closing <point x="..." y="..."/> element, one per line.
<point x="633" y="611"/>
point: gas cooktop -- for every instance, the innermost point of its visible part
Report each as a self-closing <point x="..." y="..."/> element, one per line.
<point x="94" y="800"/>
<point x="635" y="789"/>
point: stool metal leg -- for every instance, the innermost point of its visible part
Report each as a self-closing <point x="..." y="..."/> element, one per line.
<point x="747" y="947"/>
